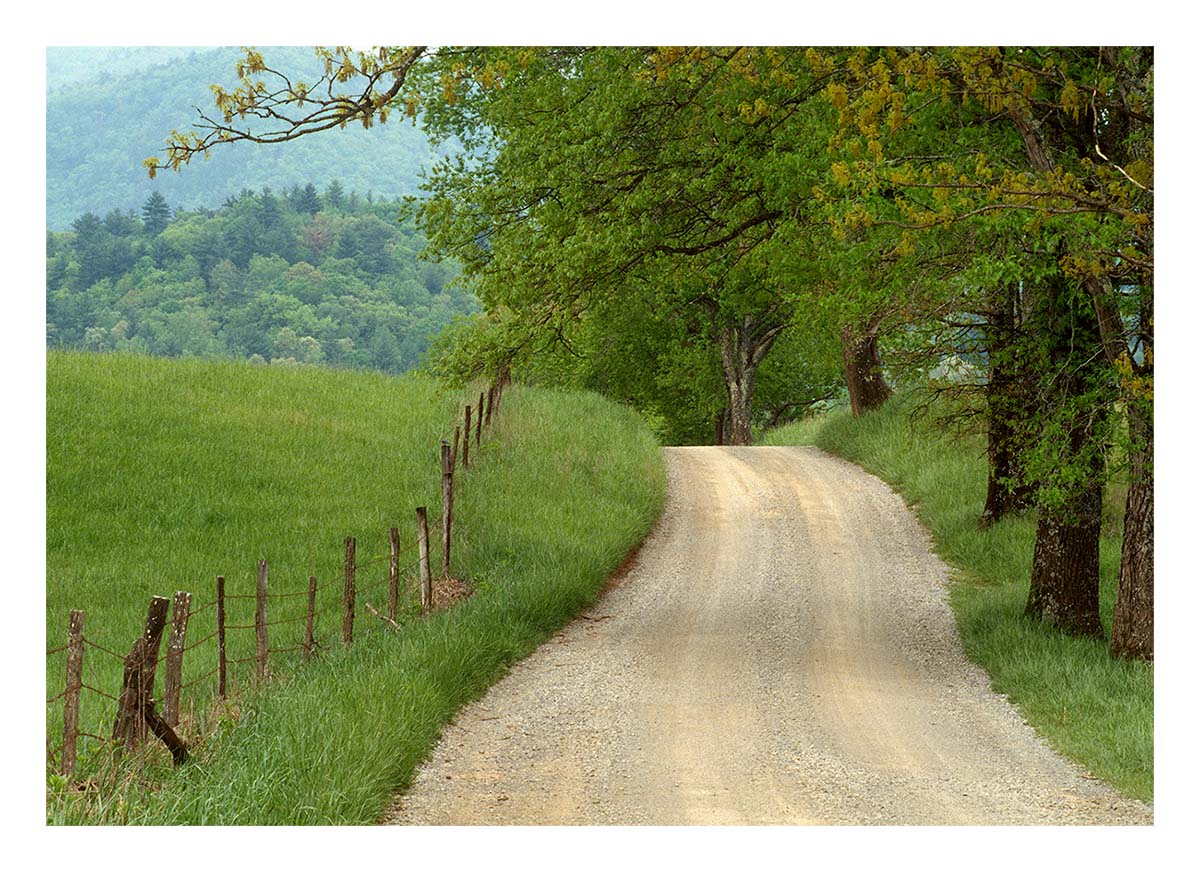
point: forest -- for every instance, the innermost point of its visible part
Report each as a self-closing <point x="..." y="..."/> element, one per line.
<point x="299" y="276"/>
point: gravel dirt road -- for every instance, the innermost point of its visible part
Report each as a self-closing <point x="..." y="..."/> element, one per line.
<point x="780" y="652"/>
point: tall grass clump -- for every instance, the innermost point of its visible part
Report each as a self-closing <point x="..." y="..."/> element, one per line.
<point x="564" y="486"/>
<point x="1092" y="708"/>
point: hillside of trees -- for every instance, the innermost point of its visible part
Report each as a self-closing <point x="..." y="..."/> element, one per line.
<point x="299" y="276"/>
<point x="108" y="108"/>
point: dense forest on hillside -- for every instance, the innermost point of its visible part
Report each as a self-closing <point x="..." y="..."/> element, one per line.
<point x="297" y="276"/>
<point x="108" y="107"/>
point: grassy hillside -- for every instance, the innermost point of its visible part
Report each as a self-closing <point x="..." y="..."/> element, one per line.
<point x="162" y="474"/>
<point x="1095" y="710"/>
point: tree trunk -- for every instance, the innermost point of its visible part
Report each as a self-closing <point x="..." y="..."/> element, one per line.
<point x="1010" y="405"/>
<point x="720" y="426"/>
<point x="1064" y="586"/>
<point x="743" y="347"/>
<point x="864" y="374"/>
<point x="1133" y="613"/>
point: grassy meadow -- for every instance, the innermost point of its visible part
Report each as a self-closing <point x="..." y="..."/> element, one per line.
<point x="163" y="474"/>
<point x="1095" y="710"/>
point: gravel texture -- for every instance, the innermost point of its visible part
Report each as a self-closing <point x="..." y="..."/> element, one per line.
<point x="780" y="652"/>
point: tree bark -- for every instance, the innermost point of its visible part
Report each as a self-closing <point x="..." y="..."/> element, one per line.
<point x="864" y="373"/>
<point x="1010" y="405"/>
<point x="1064" y="586"/>
<point x="744" y="345"/>
<point x="1133" y="613"/>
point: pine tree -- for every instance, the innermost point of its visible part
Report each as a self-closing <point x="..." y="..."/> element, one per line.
<point x="335" y="195"/>
<point x="156" y="214"/>
<point x="307" y="200"/>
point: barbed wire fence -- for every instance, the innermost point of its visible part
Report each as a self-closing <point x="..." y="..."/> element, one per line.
<point x="138" y="714"/>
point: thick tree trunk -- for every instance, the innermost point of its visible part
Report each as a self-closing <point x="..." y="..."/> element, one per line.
<point x="741" y="407"/>
<point x="743" y="347"/>
<point x="1133" y="614"/>
<point x="1065" y="585"/>
<point x="1010" y="405"/>
<point x="864" y="374"/>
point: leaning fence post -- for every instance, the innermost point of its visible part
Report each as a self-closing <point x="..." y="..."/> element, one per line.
<point x="423" y="551"/>
<point x="263" y="651"/>
<point x="74" y="688"/>
<point x="348" y="595"/>
<point x="308" y="619"/>
<point x="490" y="399"/>
<point x="466" y="443"/>
<point x="448" y="504"/>
<point x="221" y="687"/>
<point x="137" y="687"/>
<point x="479" y="420"/>
<point x="173" y="674"/>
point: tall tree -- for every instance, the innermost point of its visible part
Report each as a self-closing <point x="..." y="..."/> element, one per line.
<point x="1063" y="137"/>
<point x="156" y="214"/>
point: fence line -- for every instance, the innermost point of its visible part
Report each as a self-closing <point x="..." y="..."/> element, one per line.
<point x="136" y="715"/>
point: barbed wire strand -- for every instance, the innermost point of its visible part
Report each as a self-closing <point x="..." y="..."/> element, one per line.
<point x="88" y="641"/>
<point x="200" y="642"/>
<point x="208" y="674"/>
<point x="56" y="650"/>
<point x="99" y="691"/>
<point x="199" y="610"/>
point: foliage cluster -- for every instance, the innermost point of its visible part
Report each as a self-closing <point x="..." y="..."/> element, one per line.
<point x="297" y="277"/>
<point x="665" y="215"/>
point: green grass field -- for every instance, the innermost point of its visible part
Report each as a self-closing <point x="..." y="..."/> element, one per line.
<point x="1098" y="711"/>
<point x="162" y="474"/>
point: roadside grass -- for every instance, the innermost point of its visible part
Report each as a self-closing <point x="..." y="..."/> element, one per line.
<point x="565" y="485"/>
<point x="1093" y="709"/>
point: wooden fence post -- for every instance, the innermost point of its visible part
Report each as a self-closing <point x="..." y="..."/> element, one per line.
<point x="263" y="652"/>
<point x="74" y="688"/>
<point x="423" y="551"/>
<point x="479" y="420"/>
<point x="490" y="400"/>
<point x="348" y="594"/>
<point x="447" y="504"/>
<point x="137" y="688"/>
<point x="467" y="439"/>
<point x="221" y="666"/>
<point x="312" y="610"/>
<point x="173" y="668"/>
<point x="393" y="573"/>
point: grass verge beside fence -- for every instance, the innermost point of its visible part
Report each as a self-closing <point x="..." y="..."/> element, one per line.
<point x="564" y="486"/>
<point x="1095" y="710"/>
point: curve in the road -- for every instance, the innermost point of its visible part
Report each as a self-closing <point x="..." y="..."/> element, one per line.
<point x="781" y="652"/>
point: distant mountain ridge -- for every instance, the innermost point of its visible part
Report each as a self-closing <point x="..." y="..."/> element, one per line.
<point x="109" y="108"/>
